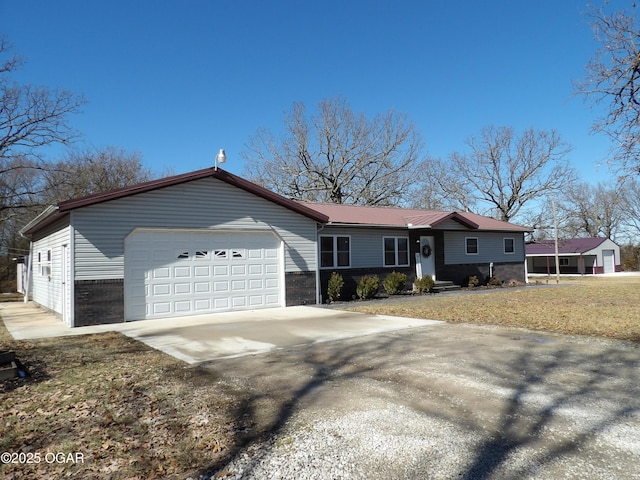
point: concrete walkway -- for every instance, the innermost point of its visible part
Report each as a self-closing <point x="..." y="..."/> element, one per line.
<point x="200" y="338"/>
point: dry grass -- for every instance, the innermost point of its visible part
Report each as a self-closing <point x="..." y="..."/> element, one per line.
<point x="130" y="411"/>
<point x="605" y="306"/>
<point x="135" y="413"/>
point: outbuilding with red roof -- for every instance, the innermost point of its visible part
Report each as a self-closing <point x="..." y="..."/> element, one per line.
<point x="583" y="256"/>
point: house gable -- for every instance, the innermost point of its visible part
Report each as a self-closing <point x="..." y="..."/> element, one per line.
<point x="206" y="203"/>
<point x="53" y="213"/>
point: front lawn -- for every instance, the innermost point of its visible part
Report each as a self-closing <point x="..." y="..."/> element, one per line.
<point x="599" y="306"/>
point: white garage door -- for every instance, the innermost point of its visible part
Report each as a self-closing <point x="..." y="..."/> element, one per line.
<point x="188" y="273"/>
<point x="608" y="261"/>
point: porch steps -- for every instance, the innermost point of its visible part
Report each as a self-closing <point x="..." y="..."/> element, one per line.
<point x="444" y="286"/>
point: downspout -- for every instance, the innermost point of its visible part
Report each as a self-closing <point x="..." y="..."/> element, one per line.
<point x="71" y="288"/>
<point x="318" y="286"/>
<point x="28" y="282"/>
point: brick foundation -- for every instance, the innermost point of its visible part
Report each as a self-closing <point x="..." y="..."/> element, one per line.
<point x="459" y="274"/>
<point x="352" y="277"/>
<point x="98" y="301"/>
<point x="300" y="288"/>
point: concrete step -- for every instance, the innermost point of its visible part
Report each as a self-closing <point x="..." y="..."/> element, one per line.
<point x="444" y="286"/>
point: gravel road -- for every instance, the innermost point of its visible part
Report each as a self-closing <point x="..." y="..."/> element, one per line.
<point x="439" y="402"/>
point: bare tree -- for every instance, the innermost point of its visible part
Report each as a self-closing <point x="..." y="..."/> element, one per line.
<point x="613" y="79"/>
<point x="441" y="189"/>
<point x="93" y="171"/>
<point x="337" y="156"/>
<point x="631" y="208"/>
<point x="592" y="211"/>
<point x="31" y="117"/>
<point x="502" y="173"/>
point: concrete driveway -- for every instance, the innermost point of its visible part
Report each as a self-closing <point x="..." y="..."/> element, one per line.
<point x="201" y="338"/>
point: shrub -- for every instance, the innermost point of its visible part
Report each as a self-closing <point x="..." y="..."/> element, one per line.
<point x="394" y="283"/>
<point x="334" y="289"/>
<point x="473" y="281"/>
<point x="494" y="281"/>
<point x="424" y="284"/>
<point x="368" y="287"/>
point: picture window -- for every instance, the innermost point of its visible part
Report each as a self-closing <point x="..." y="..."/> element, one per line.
<point x="396" y="251"/>
<point x="335" y="251"/>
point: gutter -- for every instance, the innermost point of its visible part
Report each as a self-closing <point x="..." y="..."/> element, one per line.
<point x="360" y="225"/>
<point x="49" y="211"/>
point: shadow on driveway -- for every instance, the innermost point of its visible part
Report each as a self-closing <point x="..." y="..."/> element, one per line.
<point x="457" y="401"/>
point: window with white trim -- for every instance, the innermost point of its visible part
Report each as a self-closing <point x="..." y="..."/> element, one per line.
<point x="563" y="261"/>
<point x="396" y="251"/>
<point x="471" y="245"/>
<point x="335" y="251"/>
<point x="509" y="245"/>
<point x="45" y="269"/>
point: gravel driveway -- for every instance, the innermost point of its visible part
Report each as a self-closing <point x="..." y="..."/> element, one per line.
<point x="452" y="401"/>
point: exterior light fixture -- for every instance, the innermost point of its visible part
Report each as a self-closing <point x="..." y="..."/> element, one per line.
<point x="221" y="157"/>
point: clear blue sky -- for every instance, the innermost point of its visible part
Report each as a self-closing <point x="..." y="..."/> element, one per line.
<point x="177" y="80"/>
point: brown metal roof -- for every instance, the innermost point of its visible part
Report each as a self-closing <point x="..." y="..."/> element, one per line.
<point x="565" y="246"/>
<point x="63" y="207"/>
<point x="407" y="217"/>
<point x="320" y="212"/>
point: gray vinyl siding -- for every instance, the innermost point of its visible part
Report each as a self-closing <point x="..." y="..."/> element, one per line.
<point x="207" y="203"/>
<point x="367" y="250"/>
<point x="47" y="289"/>
<point x="606" y="245"/>
<point x="490" y="247"/>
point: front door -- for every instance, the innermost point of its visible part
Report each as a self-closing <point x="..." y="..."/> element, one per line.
<point x="427" y="264"/>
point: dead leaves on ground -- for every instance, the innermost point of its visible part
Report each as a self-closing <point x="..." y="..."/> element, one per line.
<point x="131" y="411"/>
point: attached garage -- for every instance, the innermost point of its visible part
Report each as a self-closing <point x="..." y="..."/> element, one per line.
<point x="170" y="273"/>
<point x="201" y="242"/>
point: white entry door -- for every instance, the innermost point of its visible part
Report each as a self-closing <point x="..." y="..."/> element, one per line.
<point x="427" y="257"/>
<point x="174" y="273"/>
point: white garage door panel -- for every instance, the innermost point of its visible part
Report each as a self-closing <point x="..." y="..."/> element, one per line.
<point x="608" y="261"/>
<point x="183" y="273"/>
